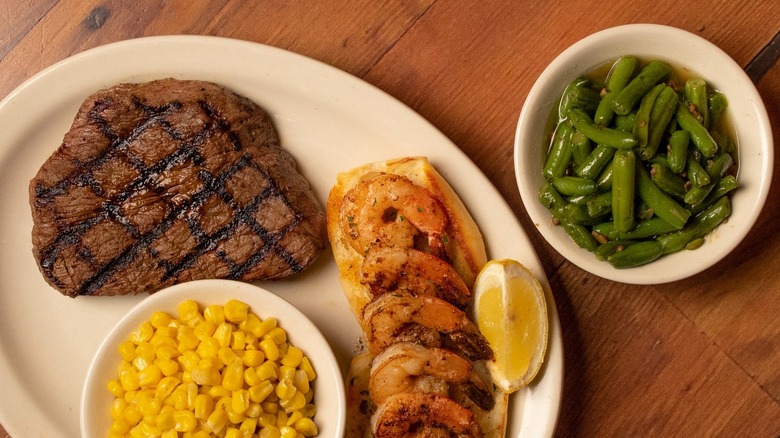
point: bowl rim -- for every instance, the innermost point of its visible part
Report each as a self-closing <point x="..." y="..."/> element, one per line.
<point x="305" y="334"/>
<point x="645" y="39"/>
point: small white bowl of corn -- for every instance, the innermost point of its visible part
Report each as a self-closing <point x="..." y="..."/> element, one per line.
<point x="213" y="358"/>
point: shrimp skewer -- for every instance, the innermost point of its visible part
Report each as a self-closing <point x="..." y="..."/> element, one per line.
<point x="417" y="414"/>
<point x="407" y="367"/>
<point x="390" y="210"/>
<point x="387" y="269"/>
<point x="397" y="317"/>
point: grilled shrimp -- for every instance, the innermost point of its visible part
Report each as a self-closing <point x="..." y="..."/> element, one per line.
<point x="397" y="317"/>
<point x="390" y="210"/>
<point x="408" y="367"/>
<point x="388" y="269"/>
<point x="419" y="414"/>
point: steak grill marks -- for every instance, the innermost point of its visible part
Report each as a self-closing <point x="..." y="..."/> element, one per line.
<point x="212" y="185"/>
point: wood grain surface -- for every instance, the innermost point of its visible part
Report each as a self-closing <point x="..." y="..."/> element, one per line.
<point x="695" y="358"/>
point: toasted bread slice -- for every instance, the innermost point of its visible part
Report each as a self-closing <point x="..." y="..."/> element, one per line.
<point x="467" y="247"/>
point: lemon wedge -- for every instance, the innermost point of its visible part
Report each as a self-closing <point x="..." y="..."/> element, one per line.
<point x="511" y="311"/>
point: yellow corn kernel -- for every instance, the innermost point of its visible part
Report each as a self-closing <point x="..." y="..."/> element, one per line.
<point x="294" y="416"/>
<point x="232" y="432"/>
<point x="286" y="372"/>
<point x="165" y="387"/>
<point x="129" y="379"/>
<point x="293" y="357"/>
<point x="249" y="323"/>
<point x="204" y="406"/>
<point x="199" y="434"/>
<point x="233" y="377"/>
<point x="204" y="329"/>
<point x="214" y="313"/>
<point x="253" y="358"/>
<point x="170" y="433"/>
<point x="167" y="351"/>
<point x="186" y="337"/>
<point x="267" y="420"/>
<point x="164" y="419"/>
<point x="306" y="427"/>
<point x="118" y="407"/>
<point x="145" y="350"/>
<point x="189" y="359"/>
<point x="248" y="427"/>
<point x="148" y="429"/>
<point x="254" y="410"/>
<point x="188" y="309"/>
<point x="281" y="419"/>
<point x="306" y="366"/>
<point x="270" y="407"/>
<point x="217" y="392"/>
<point x="149" y="376"/>
<point x="217" y="421"/>
<point x="160" y="319"/>
<point x="285" y="389"/>
<point x="141" y="363"/>
<point x="185" y="421"/>
<point x="192" y="394"/>
<point x="239" y="340"/>
<point x="270" y="432"/>
<point x="250" y="377"/>
<point x="270" y="349"/>
<point x="301" y="381"/>
<point x="226" y="355"/>
<point x="258" y="393"/>
<point x="223" y="334"/>
<point x="309" y="395"/>
<point x="127" y="350"/>
<point x="118" y="427"/>
<point x="130" y="396"/>
<point x="208" y="348"/>
<point x="309" y="410"/>
<point x="251" y="342"/>
<point x="264" y="326"/>
<point x="131" y="415"/>
<point x="268" y="370"/>
<point x="294" y="403"/>
<point x="168" y="367"/>
<point x="115" y="388"/>
<point x="178" y="398"/>
<point x="233" y="416"/>
<point x="240" y="401"/>
<point x="236" y="311"/>
<point x="277" y="334"/>
<point x="148" y="406"/>
<point x="142" y="333"/>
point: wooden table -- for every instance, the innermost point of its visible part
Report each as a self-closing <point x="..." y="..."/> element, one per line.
<point x="698" y="357"/>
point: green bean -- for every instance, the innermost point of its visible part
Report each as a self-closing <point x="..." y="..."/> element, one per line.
<point x="642" y="123"/>
<point x="608" y="248"/>
<point x="700" y="137"/>
<point x="604" y="179"/>
<point x="599" y="204"/>
<point x="601" y="135"/>
<point x="701" y="225"/>
<point x="662" y="204"/>
<point x="717" y="103"/>
<point x="696" y="173"/>
<point x="551" y="198"/>
<point x="578" y="94"/>
<point x="662" y="113"/>
<point x="695" y="92"/>
<point x="651" y="74"/>
<point x="596" y="161"/>
<point x="677" y="152"/>
<point x="637" y="254"/>
<point x="716" y="168"/>
<point x="655" y="226"/>
<point x="668" y="181"/>
<point x="619" y="76"/>
<point x="581" y="147"/>
<point x="579" y="214"/>
<point x="726" y="184"/>
<point x="574" y="185"/>
<point x="623" y="176"/>
<point x="560" y="152"/>
<point x="556" y="204"/>
<point x="625" y="122"/>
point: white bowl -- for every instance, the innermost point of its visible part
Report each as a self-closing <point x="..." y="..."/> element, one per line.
<point x="329" y="394"/>
<point x="683" y="50"/>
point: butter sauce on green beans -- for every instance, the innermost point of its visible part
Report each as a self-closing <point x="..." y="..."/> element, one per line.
<point x="640" y="163"/>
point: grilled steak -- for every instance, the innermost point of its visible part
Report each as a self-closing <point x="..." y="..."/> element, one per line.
<point x="168" y="181"/>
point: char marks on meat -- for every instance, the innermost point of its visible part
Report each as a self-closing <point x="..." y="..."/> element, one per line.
<point x="167" y="181"/>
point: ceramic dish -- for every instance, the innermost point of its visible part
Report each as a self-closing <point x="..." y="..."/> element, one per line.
<point x="683" y="50"/>
<point x="329" y="120"/>
<point x="328" y="387"/>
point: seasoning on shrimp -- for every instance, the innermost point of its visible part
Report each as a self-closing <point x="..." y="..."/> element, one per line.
<point x="413" y="414"/>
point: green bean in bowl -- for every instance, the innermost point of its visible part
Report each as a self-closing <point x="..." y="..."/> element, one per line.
<point x="638" y="144"/>
<point x="640" y="161"/>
